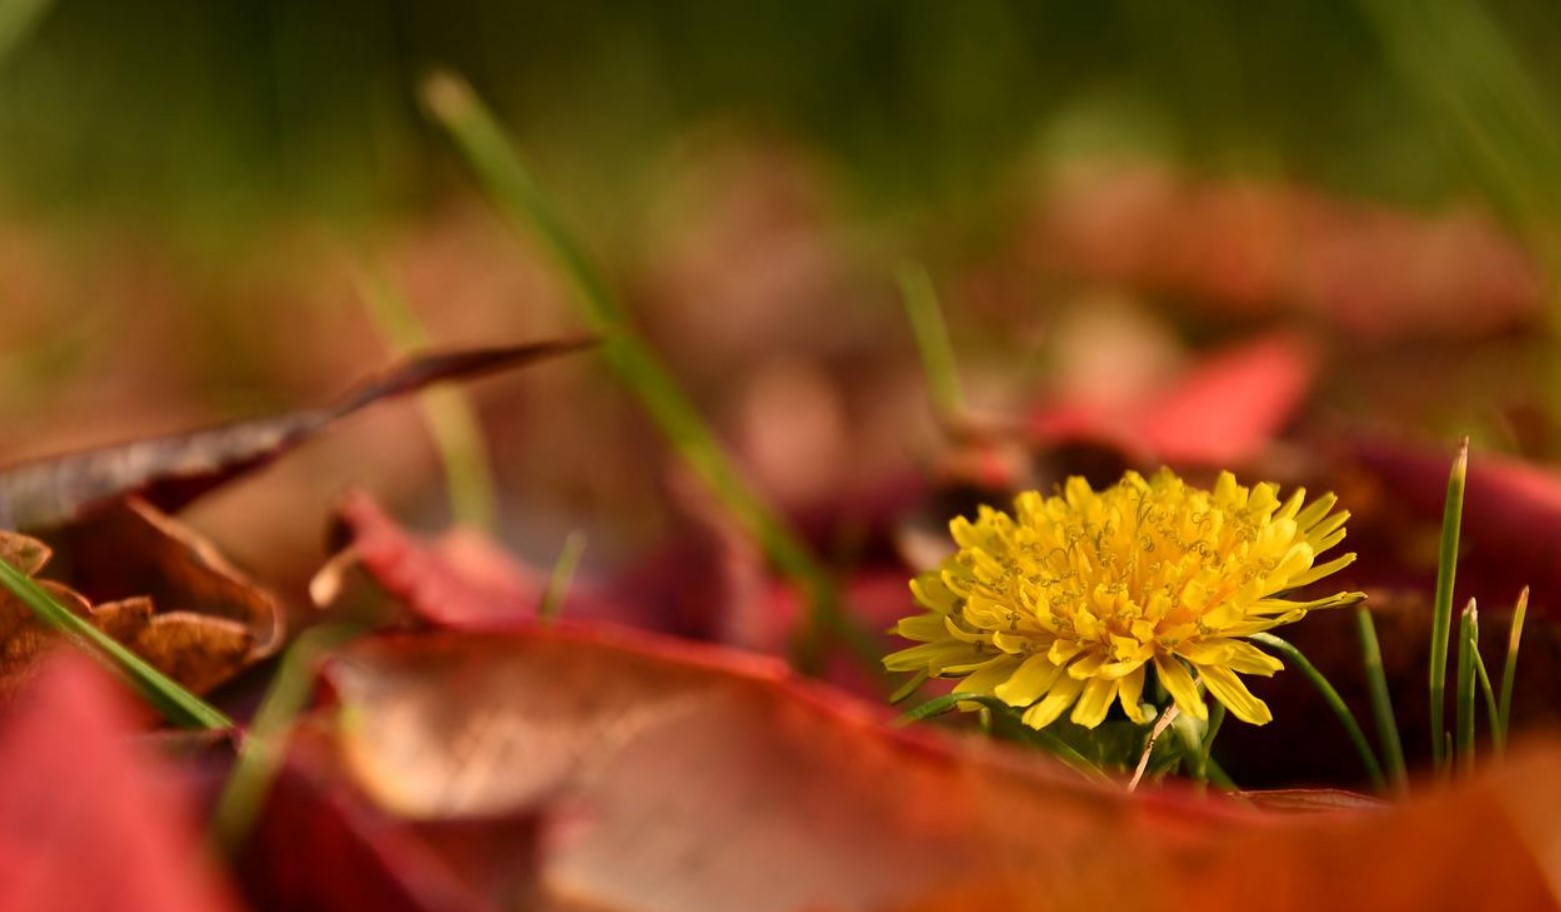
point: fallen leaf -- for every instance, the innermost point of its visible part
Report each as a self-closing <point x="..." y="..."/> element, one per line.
<point x="171" y="471"/>
<point x="1244" y="248"/>
<point x="150" y="583"/>
<point x="683" y="777"/>
<point x="1225" y="410"/>
<point x="210" y="620"/>
<point x="320" y="845"/>
<point x="90" y="820"/>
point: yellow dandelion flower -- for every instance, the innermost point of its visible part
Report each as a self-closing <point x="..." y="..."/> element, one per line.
<point x="1070" y="601"/>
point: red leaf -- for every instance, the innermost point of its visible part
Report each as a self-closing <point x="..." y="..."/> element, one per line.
<point x="700" y="778"/>
<point x="88" y="821"/>
<point x="1226" y="410"/>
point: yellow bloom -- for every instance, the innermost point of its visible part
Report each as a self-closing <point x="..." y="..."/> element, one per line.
<point x="1071" y="600"/>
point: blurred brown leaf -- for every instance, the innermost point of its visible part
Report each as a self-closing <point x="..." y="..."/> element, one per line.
<point x="171" y="471"/>
<point x="677" y="777"/>
<point x="1244" y="248"/>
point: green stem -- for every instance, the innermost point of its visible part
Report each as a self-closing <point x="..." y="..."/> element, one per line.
<point x="452" y="420"/>
<point x="1045" y="740"/>
<point x="1442" y="613"/>
<point x="1216" y="720"/>
<point x="1381" y="700"/>
<point x="1219" y="778"/>
<point x="932" y="339"/>
<point x="1335" y="702"/>
<point x="1509" y="671"/>
<point x="265" y="745"/>
<point x="177" y="705"/>
<point x="489" y="152"/>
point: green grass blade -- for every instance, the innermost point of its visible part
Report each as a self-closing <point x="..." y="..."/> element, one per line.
<point x="1381" y="701"/>
<point x="563" y="574"/>
<point x="932" y="340"/>
<point x="1335" y="702"/>
<point x="1509" y="671"/>
<point x="909" y="687"/>
<point x="452" y="420"/>
<point x="1468" y="645"/>
<point x="265" y="744"/>
<point x="1492" y="711"/>
<point x="517" y="196"/>
<point x="177" y="705"/>
<point x="1442" y="611"/>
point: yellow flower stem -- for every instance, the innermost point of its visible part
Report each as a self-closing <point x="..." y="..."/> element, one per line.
<point x="1381" y="701"/>
<point x="1468" y="647"/>
<point x="1335" y="702"/>
<point x="932" y="340"/>
<point x="563" y="574"/>
<point x="264" y="746"/>
<point x="448" y="411"/>
<point x="1509" y="671"/>
<point x="1442" y="611"/>
<point x="511" y="188"/>
<point x="1045" y="740"/>
<point x="178" y="705"/>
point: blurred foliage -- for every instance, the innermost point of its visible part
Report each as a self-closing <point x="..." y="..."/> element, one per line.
<point x="203" y="115"/>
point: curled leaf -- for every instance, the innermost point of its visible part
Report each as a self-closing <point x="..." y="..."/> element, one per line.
<point x="171" y="471"/>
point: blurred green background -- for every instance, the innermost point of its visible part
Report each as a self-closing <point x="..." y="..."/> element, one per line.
<point x="204" y="117"/>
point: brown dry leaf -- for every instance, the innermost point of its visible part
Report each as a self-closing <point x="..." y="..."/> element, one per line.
<point x="174" y="470"/>
<point x="680" y="778"/>
<point x="210" y="620"/>
<point x="166" y="593"/>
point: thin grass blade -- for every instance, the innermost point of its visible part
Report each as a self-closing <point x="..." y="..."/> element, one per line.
<point x="932" y="339"/>
<point x="1335" y="702"/>
<point x="518" y="197"/>
<point x="1509" y="670"/>
<point x="1468" y="646"/>
<point x="563" y="574"/>
<point x="1381" y="701"/>
<point x="1442" y="611"/>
